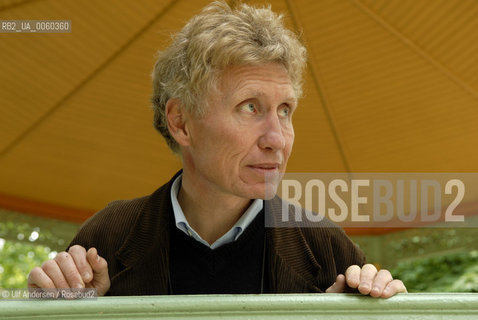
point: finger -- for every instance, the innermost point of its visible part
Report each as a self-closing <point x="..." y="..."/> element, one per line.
<point x="39" y="279"/>
<point x="352" y="276"/>
<point x="69" y="270"/>
<point x="367" y="275"/>
<point x="97" y="263"/>
<point x="382" y="279"/>
<point x="394" y="287"/>
<point x="101" y="279"/>
<point x="53" y="271"/>
<point x="338" y="286"/>
<point x="78" y="253"/>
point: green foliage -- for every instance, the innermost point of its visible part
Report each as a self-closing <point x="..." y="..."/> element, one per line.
<point x="455" y="272"/>
<point x="17" y="259"/>
<point x="26" y="242"/>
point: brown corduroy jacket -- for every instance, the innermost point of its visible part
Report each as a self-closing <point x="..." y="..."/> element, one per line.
<point x="133" y="237"/>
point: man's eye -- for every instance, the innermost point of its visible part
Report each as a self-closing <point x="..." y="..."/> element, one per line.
<point x="284" y="112"/>
<point x="248" y="107"/>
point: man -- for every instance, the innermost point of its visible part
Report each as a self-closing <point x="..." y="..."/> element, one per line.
<point x="224" y="95"/>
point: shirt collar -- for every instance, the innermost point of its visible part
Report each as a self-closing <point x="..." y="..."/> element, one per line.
<point x="232" y="235"/>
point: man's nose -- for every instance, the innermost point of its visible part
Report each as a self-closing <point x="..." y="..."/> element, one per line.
<point x="272" y="136"/>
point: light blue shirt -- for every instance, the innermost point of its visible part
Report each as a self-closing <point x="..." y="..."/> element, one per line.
<point x="232" y="235"/>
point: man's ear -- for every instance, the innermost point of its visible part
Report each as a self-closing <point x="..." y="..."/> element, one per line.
<point x="176" y="119"/>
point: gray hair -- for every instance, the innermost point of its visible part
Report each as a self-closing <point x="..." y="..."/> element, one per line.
<point x="218" y="37"/>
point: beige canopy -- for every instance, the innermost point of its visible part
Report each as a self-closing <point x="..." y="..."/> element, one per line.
<point x="391" y="86"/>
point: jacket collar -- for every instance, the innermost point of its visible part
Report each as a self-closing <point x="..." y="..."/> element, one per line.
<point x="149" y="238"/>
<point x="150" y="231"/>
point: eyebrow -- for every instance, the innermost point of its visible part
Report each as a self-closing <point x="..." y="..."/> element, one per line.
<point x="256" y="93"/>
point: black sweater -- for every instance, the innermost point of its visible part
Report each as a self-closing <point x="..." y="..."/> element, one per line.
<point x="236" y="267"/>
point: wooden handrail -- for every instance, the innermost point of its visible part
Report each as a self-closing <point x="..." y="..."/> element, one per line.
<point x="268" y="306"/>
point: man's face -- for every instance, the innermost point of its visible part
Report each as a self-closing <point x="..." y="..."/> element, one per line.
<point x="245" y="134"/>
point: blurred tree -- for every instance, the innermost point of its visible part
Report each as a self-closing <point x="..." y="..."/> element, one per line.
<point x="452" y="272"/>
<point x="26" y="242"/>
<point x="17" y="259"/>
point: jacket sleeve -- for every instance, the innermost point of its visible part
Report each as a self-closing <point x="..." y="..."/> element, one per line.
<point x="333" y="250"/>
<point x="107" y="229"/>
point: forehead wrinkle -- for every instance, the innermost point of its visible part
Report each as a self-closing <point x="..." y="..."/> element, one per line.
<point x="243" y="88"/>
<point x="246" y="93"/>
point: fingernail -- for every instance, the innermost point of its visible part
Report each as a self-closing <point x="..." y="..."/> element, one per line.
<point x="79" y="286"/>
<point x="364" y="286"/>
<point x="98" y="257"/>
<point x="86" y="275"/>
<point x="375" y="290"/>
<point x="386" y="291"/>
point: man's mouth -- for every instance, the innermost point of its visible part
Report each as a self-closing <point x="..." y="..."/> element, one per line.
<point x="265" y="167"/>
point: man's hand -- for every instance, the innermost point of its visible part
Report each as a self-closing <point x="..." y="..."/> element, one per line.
<point x="367" y="280"/>
<point x="73" y="269"/>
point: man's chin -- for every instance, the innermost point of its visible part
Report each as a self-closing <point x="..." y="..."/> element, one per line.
<point x="264" y="188"/>
<point x="270" y="190"/>
<point x="266" y="191"/>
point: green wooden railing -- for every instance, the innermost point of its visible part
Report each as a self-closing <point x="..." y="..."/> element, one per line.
<point x="289" y="306"/>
